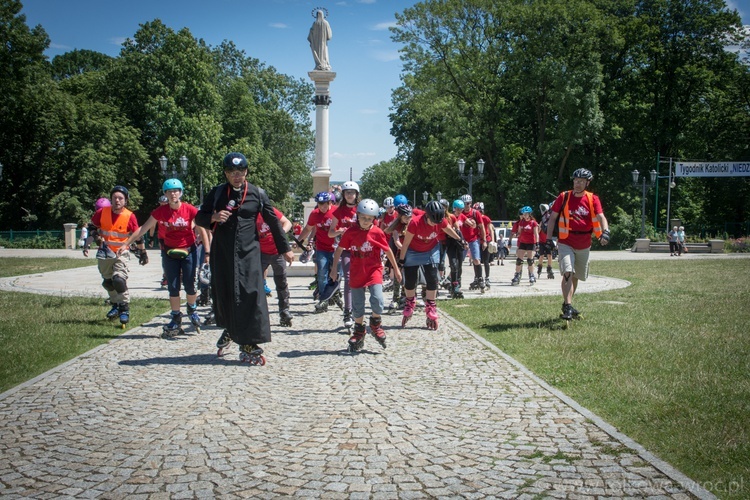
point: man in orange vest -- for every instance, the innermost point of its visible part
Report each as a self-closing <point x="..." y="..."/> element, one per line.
<point x="577" y="214"/>
<point x="114" y="225"/>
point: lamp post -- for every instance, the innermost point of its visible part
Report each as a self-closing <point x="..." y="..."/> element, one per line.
<point x="439" y="195"/>
<point x="425" y="196"/>
<point x="671" y="185"/>
<point x="653" y="175"/>
<point x="164" y="164"/>
<point x="1" y="171"/>
<point x="470" y="177"/>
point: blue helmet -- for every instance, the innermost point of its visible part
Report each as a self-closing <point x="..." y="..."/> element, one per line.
<point x="526" y="210"/>
<point x="323" y="197"/>
<point x="172" y="184"/>
<point x="400" y="199"/>
<point x="458" y="204"/>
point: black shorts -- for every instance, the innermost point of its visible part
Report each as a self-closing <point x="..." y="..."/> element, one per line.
<point x="526" y="246"/>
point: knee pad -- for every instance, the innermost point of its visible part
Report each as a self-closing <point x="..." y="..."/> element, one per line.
<point x="119" y="284"/>
<point x="530" y="262"/>
<point x="519" y="261"/>
<point x="107" y="284"/>
<point x="566" y="276"/>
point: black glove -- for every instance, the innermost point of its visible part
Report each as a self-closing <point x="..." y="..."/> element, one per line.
<point x="143" y="258"/>
<point x="401" y="262"/>
<point x="604" y="238"/>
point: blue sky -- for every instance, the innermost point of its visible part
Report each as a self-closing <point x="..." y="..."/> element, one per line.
<point x="275" y="32"/>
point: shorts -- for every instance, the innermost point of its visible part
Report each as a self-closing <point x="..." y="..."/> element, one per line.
<point x="475" y="249"/>
<point x="574" y="261"/>
<point x="526" y="246"/>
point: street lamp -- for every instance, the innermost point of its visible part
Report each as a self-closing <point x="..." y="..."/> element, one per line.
<point x="470" y="177"/>
<point x="439" y="195"/>
<point x="653" y="175"/>
<point x="164" y="164"/>
<point x="1" y="171"/>
<point x="425" y="195"/>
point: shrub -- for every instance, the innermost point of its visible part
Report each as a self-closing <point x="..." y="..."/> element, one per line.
<point x="740" y="245"/>
<point x="42" y="241"/>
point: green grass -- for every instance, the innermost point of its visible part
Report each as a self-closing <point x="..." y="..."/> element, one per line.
<point x="18" y="266"/>
<point x="667" y="363"/>
<point x="39" y="332"/>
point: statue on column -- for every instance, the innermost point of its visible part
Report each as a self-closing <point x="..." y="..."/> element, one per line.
<point x="320" y="33"/>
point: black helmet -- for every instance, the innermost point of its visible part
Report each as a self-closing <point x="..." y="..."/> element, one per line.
<point x="120" y="189"/>
<point x="582" y="173"/>
<point x="404" y="210"/>
<point x="435" y="211"/>
<point x="234" y="161"/>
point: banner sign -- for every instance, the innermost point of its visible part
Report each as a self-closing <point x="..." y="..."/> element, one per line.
<point x="712" y="169"/>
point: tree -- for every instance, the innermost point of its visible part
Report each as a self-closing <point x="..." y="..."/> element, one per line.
<point x="384" y="179"/>
<point x="77" y="62"/>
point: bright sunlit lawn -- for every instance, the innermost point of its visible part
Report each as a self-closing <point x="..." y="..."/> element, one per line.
<point x="666" y="360"/>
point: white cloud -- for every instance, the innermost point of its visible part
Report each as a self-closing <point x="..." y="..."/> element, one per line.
<point x="58" y="46"/>
<point x="366" y="1"/>
<point x="278" y="25"/>
<point x="385" y="55"/>
<point x="349" y="156"/>
<point x="117" y="40"/>
<point x="384" y="26"/>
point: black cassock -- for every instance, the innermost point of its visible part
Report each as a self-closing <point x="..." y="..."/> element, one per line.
<point x="236" y="274"/>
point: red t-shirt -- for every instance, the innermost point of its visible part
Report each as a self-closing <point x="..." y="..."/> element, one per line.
<point x="580" y="223"/>
<point x="267" y="243"/>
<point x="525" y="230"/>
<point x="322" y="221"/>
<point x="425" y="235"/>
<point x="488" y="227"/>
<point x="346" y="216"/>
<point x="177" y="224"/>
<point x="365" y="247"/>
<point x="470" y="233"/>
<point x="388" y="218"/>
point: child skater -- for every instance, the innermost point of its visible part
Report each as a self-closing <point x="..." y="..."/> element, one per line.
<point x="365" y="242"/>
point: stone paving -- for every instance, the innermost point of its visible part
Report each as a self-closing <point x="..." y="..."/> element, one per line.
<point x="436" y="414"/>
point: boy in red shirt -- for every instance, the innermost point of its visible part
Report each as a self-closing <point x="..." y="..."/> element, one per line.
<point x="365" y="242"/>
<point x="270" y="256"/>
<point x="318" y="223"/>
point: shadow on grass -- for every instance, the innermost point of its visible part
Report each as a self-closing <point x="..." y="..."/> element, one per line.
<point x="548" y="324"/>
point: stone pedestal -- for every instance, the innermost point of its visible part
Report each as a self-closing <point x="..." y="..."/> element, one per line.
<point x="322" y="173"/>
<point x="717" y="246"/>
<point x="642" y="245"/>
<point x="309" y="207"/>
<point x="70" y="236"/>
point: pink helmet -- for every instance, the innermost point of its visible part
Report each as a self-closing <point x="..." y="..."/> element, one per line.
<point x="102" y="202"/>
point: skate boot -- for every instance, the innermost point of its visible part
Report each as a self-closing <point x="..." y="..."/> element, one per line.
<point x="408" y="310"/>
<point x="194" y="318"/>
<point x="357" y="340"/>
<point x="223" y="343"/>
<point x="209" y="318"/>
<point x="393" y="307"/>
<point x="487" y="283"/>
<point x="348" y="321"/>
<point x="574" y="312"/>
<point x="285" y="318"/>
<point x="456" y="293"/>
<point x="567" y="313"/>
<point x="124" y="310"/>
<point x="539" y="270"/>
<point x="252" y="354"/>
<point x="114" y="312"/>
<point x="430" y="310"/>
<point x="266" y="289"/>
<point x="313" y="285"/>
<point x="550" y="274"/>
<point x="532" y="279"/>
<point x="482" y="285"/>
<point x="203" y="298"/>
<point x="376" y="329"/>
<point x="174" y="327"/>
<point x="516" y="279"/>
<point x="163" y="281"/>
<point x="336" y="300"/>
<point x="474" y="285"/>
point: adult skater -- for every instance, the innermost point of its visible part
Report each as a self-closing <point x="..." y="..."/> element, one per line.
<point x="365" y="242"/>
<point x="421" y="249"/>
<point x="179" y="256"/>
<point x="270" y="256"/>
<point x="114" y="224"/>
<point x="239" y="302"/>
<point x="527" y="230"/>
<point x="343" y="218"/>
<point x="577" y="213"/>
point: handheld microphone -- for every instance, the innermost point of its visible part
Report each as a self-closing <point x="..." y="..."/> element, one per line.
<point x="230" y="206"/>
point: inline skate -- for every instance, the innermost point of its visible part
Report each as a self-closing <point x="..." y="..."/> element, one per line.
<point x="487" y="283"/>
<point x="266" y="288"/>
<point x="532" y="278"/>
<point x="348" y="321"/>
<point x="114" y="312"/>
<point x="376" y="329"/>
<point x="569" y="313"/>
<point x="252" y="354"/>
<point x="430" y="310"/>
<point x="192" y="314"/>
<point x="209" y="318"/>
<point x="313" y="285"/>
<point x="285" y="318"/>
<point x="223" y="343"/>
<point x="163" y="282"/>
<point x="550" y="274"/>
<point x="476" y="284"/>
<point x="124" y="310"/>
<point x="174" y="327"/>
<point x="408" y="310"/>
<point x="539" y="270"/>
<point x="203" y="298"/>
<point x="516" y="278"/>
<point x="456" y="292"/>
<point x="357" y="340"/>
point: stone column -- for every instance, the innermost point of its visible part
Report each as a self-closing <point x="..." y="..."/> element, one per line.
<point x="70" y="235"/>
<point x="322" y="173"/>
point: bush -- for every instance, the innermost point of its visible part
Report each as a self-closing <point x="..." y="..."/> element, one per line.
<point x="740" y="245"/>
<point x="42" y="241"/>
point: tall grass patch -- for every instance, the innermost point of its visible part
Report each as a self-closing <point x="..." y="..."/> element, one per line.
<point x="666" y="360"/>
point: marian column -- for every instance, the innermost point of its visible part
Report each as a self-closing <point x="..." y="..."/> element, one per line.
<point x="322" y="76"/>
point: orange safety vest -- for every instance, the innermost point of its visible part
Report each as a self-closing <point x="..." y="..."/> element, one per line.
<point x="114" y="233"/>
<point x="563" y="222"/>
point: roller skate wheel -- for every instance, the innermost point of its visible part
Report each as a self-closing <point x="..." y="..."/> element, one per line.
<point x="122" y="326"/>
<point x="197" y="329"/>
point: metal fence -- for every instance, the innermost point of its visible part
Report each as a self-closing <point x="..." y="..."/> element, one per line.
<point x="27" y="235"/>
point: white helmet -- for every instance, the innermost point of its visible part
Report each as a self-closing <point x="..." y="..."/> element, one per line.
<point x="466" y="199"/>
<point x="388" y="202"/>
<point x="368" y="207"/>
<point x="543" y="208"/>
<point x="350" y="185"/>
